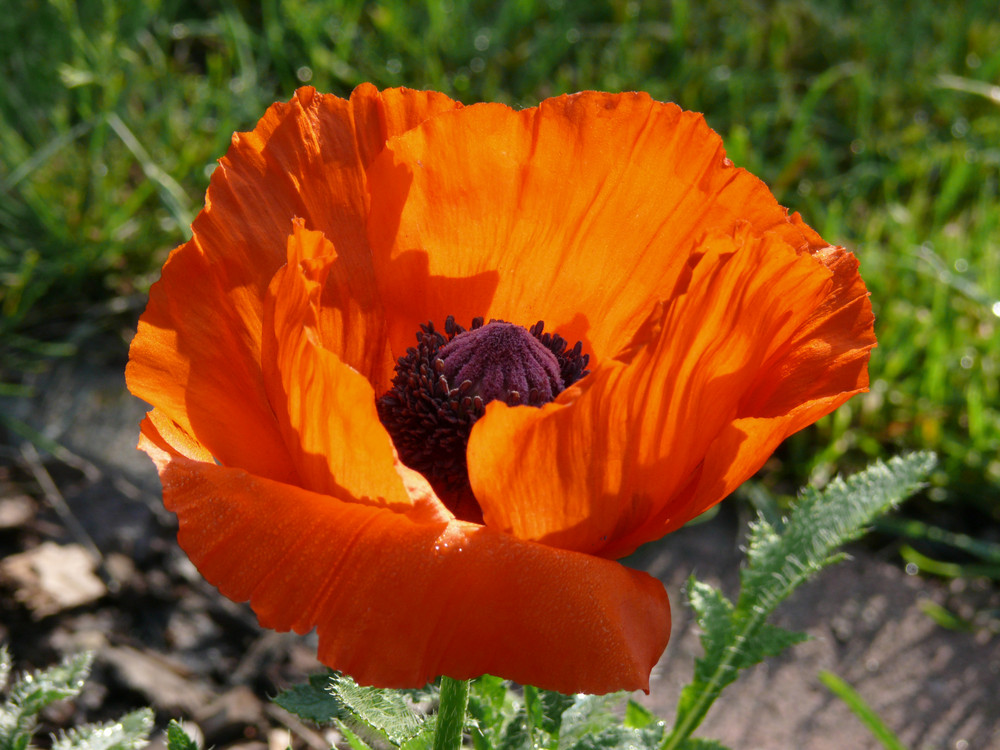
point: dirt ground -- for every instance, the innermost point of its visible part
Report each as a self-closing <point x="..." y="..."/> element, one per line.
<point x="165" y="638"/>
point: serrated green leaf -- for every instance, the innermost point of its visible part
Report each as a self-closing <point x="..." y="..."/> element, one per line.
<point x="609" y="738"/>
<point x="637" y="716"/>
<point x="518" y="733"/>
<point x="589" y="715"/>
<point x="31" y="693"/>
<point x="714" y="615"/>
<point x="130" y="732"/>
<point x="35" y="691"/>
<point x="820" y="523"/>
<point x="617" y="737"/>
<point x="767" y="641"/>
<point x="532" y="705"/>
<point x="369" y="716"/>
<point x="311" y="701"/>
<point x="375" y="709"/>
<point x="178" y="739"/>
<point x="546" y="708"/>
<point x="737" y="637"/>
<point x="528" y="728"/>
<point x="489" y="701"/>
<point x="489" y="709"/>
<point x="489" y="691"/>
<point x="647" y="738"/>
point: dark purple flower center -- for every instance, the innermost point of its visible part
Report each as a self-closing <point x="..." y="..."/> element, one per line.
<point x="501" y="361"/>
<point x="442" y="386"/>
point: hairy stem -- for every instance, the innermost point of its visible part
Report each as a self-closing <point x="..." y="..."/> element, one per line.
<point x="451" y="714"/>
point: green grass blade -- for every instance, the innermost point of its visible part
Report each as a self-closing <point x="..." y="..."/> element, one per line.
<point x="948" y="569"/>
<point x="914" y="529"/>
<point x="42" y="155"/>
<point x="171" y="192"/>
<point x="862" y="710"/>
<point x="353" y="741"/>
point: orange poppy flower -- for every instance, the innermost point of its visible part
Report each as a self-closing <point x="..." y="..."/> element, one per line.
<point x="458" y="508"/>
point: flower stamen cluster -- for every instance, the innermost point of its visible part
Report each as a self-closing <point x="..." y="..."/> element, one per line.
<point x="442" y="386"/>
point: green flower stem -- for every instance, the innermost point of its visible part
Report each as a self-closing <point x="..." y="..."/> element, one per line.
<point x="451" y="714"/>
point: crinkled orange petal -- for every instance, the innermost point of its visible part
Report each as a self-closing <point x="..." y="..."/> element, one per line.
<point x="396" y="601"/>
<point x="786" y="397"/>
<point x="325" y="409"/>
<point x="606" y="459"/>
<point x="580" y="212"/>
<point x="837" y="338"/>
<point x="196" y="355"/>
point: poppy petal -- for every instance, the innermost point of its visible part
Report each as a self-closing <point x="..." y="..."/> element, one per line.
<point x="837" y="337"/>
<point x="326" y="409"/>
<point x="426" y="598"/>
<point x="197" y="351"/>
<point x="580" y="212"/>
<point x="608" y="457"/>
<point x="836" y="341"/>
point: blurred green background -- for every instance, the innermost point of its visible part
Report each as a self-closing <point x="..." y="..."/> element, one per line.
<point x="878" y="121"/>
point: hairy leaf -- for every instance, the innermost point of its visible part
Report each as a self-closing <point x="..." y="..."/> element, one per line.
<point x="33" y="692"/>
<point x="130" y="732"/>
<point x="713" y="613"/>
<point x="367" y="709"/>
<point x="311" y="701"/>
<point x="490" y="707"/>
<point x="589" y="715"/>
<point x="737" y="637"/>
<point x="820" y="523"/>
<point x="609" y="738"/>
<point x="546" y="708"/>
<point x="368" y="717"/>
<point x="518" y="733"/>
<point x="178" y="739"/>
<point x="637" y="716"/>
<point x="30" y="693"/>
<point x="617" y="737"/>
